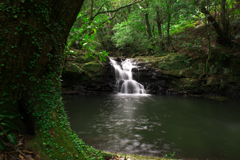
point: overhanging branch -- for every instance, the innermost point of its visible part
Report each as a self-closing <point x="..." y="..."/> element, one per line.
<point x="115" y="10"/>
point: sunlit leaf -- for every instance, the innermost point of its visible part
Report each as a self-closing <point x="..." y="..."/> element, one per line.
<point x="9" y="124"/>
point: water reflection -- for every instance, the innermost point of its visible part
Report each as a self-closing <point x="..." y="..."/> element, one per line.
<point x="155" y="125"/>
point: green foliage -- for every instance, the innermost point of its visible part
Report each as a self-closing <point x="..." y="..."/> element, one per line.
<point x="83" y="37"/>
<point x="7" y="127"/>
<point x="128" y="34"/>
<point x="169" y="155"/>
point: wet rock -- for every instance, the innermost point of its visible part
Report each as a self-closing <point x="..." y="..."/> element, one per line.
<point x="168" y="74"/>
<point x="92" y="80"/>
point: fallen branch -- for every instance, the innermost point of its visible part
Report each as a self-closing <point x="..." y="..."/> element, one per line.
<point x="15" y="147"/>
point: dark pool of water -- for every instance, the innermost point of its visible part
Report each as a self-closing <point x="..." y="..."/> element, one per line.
<point x="155" y="125"/>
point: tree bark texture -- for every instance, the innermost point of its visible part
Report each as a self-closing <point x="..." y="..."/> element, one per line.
<point x="33" y="34"/>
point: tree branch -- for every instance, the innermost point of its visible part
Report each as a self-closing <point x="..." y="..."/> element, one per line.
<point x="210" y="18"/>
<point x="98" y="11"/>
<point x="115" y="10"/>
<point x="105" y="22"/>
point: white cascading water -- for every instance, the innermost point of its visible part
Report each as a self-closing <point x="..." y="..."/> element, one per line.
<point x="124" y="79"/>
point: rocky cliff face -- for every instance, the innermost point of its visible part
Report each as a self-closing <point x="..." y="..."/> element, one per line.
<point x="166" y="74"/>
<point x="179" y="74"/>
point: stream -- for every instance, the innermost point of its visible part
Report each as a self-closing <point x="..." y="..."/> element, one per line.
<point x="154" y="125"/>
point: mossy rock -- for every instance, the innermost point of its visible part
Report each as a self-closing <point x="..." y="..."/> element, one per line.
<point x="233" y="78"/>
<point x="190" y="83"/>
<point x="84" y="78"/>
<point x="213" y="80"/>
<point x="92" y="67"/>
<point x="188" y="73"/>
<point x="73" y="67"/>
<point x="92" y="74"/>
<point x="172" y="61"/>
<point x="234" y="66"/>
<point x="185" y="84"/>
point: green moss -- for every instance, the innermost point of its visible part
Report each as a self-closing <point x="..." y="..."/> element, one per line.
<point x="233" y="78"/>
<point x="170" y="61"/>
<point x="188" y="73"/>
<point x="186" y="84"/>
<point x="73" y="67"/>
<point x="213" y="80"/>
<point x="92" y="67"/>
<point x="60" y="140"/>
<point x="234" y="66"/>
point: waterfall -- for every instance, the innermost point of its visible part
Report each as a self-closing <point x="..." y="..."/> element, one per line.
<point x="124" y="79"/>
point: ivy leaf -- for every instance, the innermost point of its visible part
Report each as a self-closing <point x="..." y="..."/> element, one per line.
<point x="12" y="138"/>
<point x="7" y="114"/>
<point x="1" y="145"/>
<point x="9" y="124"/>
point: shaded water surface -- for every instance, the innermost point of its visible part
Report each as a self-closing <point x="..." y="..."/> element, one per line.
<point x="155" y="125"/>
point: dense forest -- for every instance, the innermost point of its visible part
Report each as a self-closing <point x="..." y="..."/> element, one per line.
<point x="192" y="45"/>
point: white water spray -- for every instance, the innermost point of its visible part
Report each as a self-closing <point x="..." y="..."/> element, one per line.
<point x="124" y="79"/>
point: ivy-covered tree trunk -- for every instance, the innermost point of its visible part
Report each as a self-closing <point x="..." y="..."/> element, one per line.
<point x="33" y="34"/>
<point x="32" y="39"/>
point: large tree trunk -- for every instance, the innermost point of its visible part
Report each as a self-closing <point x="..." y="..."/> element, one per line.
<point x="32" y="39"/>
